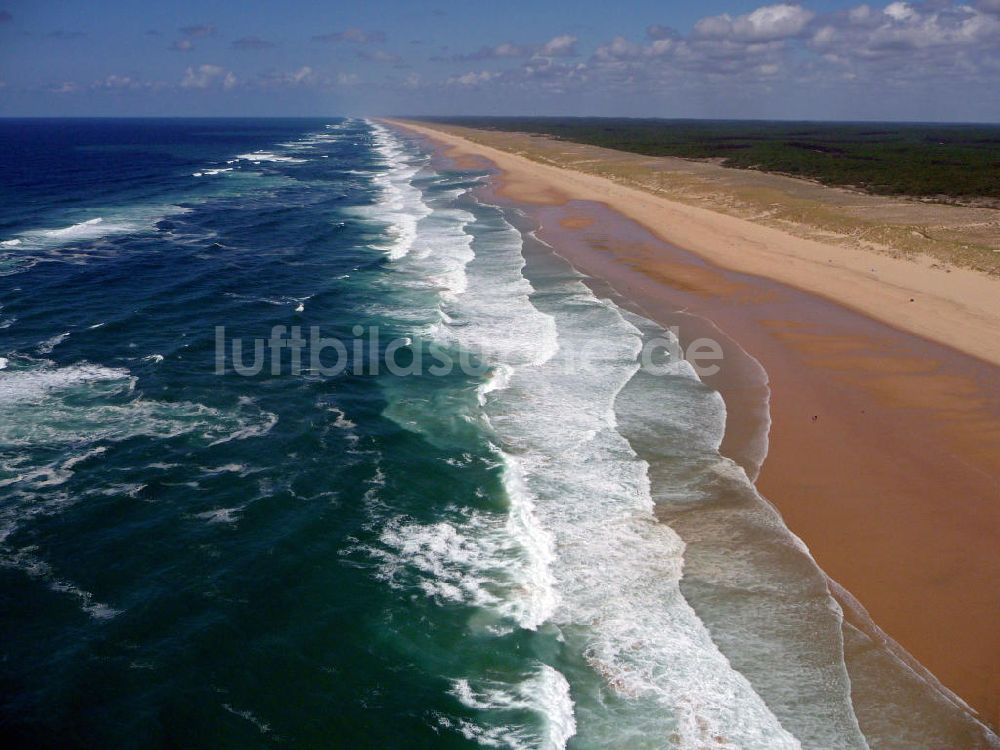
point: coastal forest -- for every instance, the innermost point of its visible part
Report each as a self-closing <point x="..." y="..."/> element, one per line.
<point x="934" y="161"/>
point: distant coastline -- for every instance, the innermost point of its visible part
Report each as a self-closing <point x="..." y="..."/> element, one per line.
<point x="944" y="162"/>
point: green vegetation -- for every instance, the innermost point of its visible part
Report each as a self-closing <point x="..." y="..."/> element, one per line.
<point x="926" y="160"/>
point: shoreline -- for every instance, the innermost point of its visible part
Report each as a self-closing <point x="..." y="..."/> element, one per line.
<point x="839" y="389"/>
<point x="957" y="307"/>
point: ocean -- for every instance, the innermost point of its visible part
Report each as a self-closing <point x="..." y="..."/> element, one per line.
<point x="475" y="505"/>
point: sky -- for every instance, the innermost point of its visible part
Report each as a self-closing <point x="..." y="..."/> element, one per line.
<point x="937" y="60"/>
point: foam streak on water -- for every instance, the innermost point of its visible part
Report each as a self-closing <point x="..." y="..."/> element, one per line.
<point x="61" y="414"/>
<point x="400" y="204"/>
<point x="79" y="242"/>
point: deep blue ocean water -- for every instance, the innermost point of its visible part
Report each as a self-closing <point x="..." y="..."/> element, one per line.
<point x="321" y="558"/>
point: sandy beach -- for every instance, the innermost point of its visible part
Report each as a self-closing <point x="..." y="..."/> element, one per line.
<point x="879" y="412"/>
<point x="955" y="306"/>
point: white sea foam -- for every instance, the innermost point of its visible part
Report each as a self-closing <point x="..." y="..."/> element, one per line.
<point x="32" y="385"/>
<point x="401" y="204"/>
<point x="3" y="363"/>
<point x="72" y="411"/>
<point x="65" y="243"/>
<point x="502" y="324"/>
<point x="440" y="253"/>
<point x="546" y="692"/>
<point x="277" y="301"/>
<point x="490" y="322"/>
<point x="27" y="562"/>
<point x="212" y="172"/>
<point x="88" y="228"/>
<point x="461" y="566"/>
<point x="252" y="428"/>
<point x="498" y="380"/>
<point x="477" y="559"/>
<point x="48" y="345"/>
<point x="10" y="265"/>
<point x="88" y="403"/>
<point x="486" y="555"/>
<point x="342" y="422"/>
<point x="259" y="157"/>
<point x="503" y="563"/>
<point x="91" y="229"/>
<point x="221" y="515"/>
<point x="74" y="460"/>
<point x="310" y="142"/>
<point x="240" y="469"/>
<point x="262" y="726"/>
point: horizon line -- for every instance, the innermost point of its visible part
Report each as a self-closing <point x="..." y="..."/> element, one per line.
<point x="503" y="117"/>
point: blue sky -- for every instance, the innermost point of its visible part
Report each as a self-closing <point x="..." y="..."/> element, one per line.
<point x="822" y="59"/>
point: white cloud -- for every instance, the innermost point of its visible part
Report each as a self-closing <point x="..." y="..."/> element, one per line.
<point x="897" y="41"/>
<point x="902" y="30"/>
<point x="208" y="76"/>
<point x="618" y="48"/>
<point x="304" y="76"/>
<point x="563" y="45"/>
<point x="66" y="87"/>
<point x="767" y="23"/>
<point x="860" y="14"/>
<point x="473" y="78"/>
<point x="900" y="12"/>
<point x="892" y="46"/>
<point x="114" y="81"/>
<point x="504" y="50"/>
<point x="825" y="35"/>
<point x="508" y="50"/>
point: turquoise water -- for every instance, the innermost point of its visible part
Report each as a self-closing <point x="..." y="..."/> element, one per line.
<point x="542" y="549"/>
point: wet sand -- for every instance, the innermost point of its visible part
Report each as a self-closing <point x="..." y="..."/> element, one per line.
<point x="882" y="447"/>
